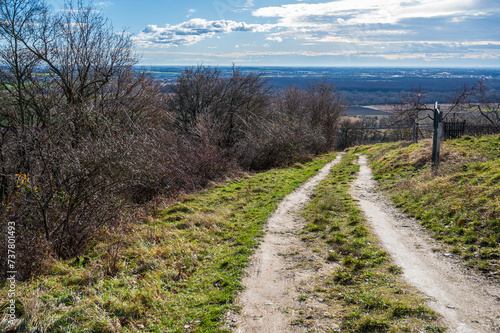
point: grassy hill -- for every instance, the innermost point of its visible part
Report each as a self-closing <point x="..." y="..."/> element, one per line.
<point x="181" y="272"/>
<point x="461" y="205"/>
<point x="176" y="273"/>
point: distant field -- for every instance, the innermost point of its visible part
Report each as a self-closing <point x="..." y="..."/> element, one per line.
<point x="363" y="86"/>
<point x="366" y="111"/>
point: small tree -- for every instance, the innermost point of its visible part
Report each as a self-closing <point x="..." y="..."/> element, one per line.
<point x="232" y="102"/>
<point x="487" y="103"/>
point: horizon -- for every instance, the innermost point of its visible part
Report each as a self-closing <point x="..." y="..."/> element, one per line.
<point x="493" y="67"/>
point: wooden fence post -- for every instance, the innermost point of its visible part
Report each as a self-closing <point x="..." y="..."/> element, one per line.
<point x="415" y="132"/>
<point x="436" y="142"/>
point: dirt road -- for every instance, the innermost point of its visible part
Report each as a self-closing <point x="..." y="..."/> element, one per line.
<point x="467" y="301"/>
<point x="283" y="266"/>
<point x="271" y="299"/>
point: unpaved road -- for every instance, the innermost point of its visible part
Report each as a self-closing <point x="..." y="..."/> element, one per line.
<point x="467" y="301"/>
<point x="280" y="267"/>
<point x="283" y="267"/>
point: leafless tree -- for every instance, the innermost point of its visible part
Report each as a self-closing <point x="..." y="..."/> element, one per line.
<point x="326" y="108"/>
<point x="412" y="108"/>
<point x="16" y="74"/>
<point x="80" y="50"/>
<point x="487" y="103"/>
<point x="81" y="132"/>
<point x="231" y="102"/>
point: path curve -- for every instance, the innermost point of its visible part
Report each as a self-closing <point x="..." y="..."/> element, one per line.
<point x="270" y="297"/>
<point x="467" y="301"/>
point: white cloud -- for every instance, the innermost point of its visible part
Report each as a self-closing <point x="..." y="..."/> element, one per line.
<point x="275" y="38"/>
<point x="389" y="29"/>
<point x="366" y="11"/>
<point x="367" y="21"/>
<point x="481" y="56"/>
<point x="249" y="4"/>
<point x="191" y="32"/>
<point x="249" y="56"/>
<point x="191" y="12"/>
<point x="104" y="4"/>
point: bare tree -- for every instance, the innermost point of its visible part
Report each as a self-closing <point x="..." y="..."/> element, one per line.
<point x="326" y="108"/>
<point x="80" y="50"/>
<point x="231" y="101"/>
<point x="412" y="107"/>
<point x="485" y="102"/>
<point x="81" y="132"/>
<point x="16" y="73"/>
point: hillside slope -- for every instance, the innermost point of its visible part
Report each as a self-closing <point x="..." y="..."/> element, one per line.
<point x="179" y="272"/>
<point x="182" y="271"/>
<point x="460" y="206"/>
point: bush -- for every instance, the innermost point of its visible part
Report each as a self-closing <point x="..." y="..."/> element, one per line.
<point x="91" y="136"/>
<point x="248" y="123"/>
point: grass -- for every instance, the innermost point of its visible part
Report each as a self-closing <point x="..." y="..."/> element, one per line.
<point x="175" y="273"/>
<point x="460" y="206"/>
<point x="366" y="284"/>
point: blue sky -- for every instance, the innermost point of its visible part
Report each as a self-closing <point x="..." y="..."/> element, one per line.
<point x="463" y="33"/>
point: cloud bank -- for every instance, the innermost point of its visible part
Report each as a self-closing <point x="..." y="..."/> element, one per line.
<point x="191" y="32"/>
<point x="390" y="29"/>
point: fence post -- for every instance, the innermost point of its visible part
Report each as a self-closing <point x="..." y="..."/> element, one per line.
<point x="436" y="142"/>
<point x="415" y="132"/>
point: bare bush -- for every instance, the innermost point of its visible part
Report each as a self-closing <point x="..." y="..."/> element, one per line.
<point x="299" y="123"/>
<point x="247" y="123"/>
<point x="232" y="103"/>
<point x="82" y="134"/>
<point x="326" y="108"/>
<point x="80" y="131"/>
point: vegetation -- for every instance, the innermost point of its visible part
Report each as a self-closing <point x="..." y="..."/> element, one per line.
<point x="90" y="149"/>
<point x="367" y="284"/>
<point x="180" y="271"/>
<point x="412" y="118"/>
<point x="83" y="136"/>
<point x="460" y="205"/>
<point x="366" y="130"/>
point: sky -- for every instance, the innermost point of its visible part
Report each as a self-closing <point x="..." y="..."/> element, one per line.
<point x="428" y="33"/>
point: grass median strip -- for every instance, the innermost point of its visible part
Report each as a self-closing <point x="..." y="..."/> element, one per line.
<point x="179" y="272"/>
<point x="461" y="205"/>
<point x="366" y="284"/>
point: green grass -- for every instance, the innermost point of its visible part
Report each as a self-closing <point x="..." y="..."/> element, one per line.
<point x="366" y="284"/>
<point x="179" y="272"/>
<point x="461" y="205"/>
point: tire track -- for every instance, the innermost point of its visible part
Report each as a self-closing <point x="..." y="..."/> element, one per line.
<point x="270" y="299"/>
<point x="467" y="301"/>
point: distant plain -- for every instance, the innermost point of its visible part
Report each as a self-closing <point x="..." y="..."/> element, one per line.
<point x="364" y="86"/>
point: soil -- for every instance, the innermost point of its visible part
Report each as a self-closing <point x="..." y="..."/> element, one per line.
<point x="280" y="270"/>
<point x="467" y="301"/>
<point x="283" y="268"/>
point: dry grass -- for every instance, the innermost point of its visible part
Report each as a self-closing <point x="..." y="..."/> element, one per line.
<point x="460" y="205"/>
<point x="181" y="269"/>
